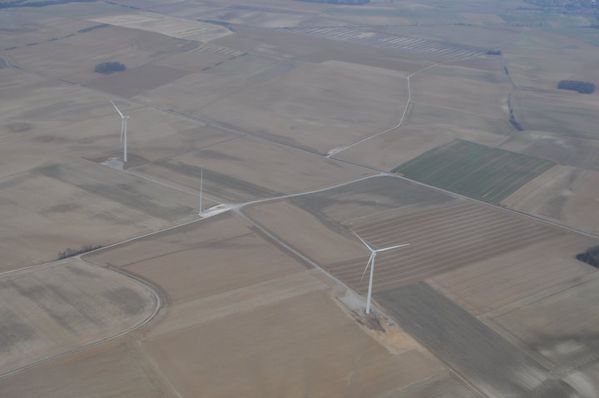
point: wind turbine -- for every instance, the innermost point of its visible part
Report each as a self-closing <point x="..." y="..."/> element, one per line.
<point x="124" y="119"/>
<point x="370" y="263"/>
<point x="201" y="191"/>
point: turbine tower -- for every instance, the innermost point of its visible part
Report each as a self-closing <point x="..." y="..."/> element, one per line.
<point x="201" y="191"/>
<point x="370" y="263"/>
<point x="124" y="119"/>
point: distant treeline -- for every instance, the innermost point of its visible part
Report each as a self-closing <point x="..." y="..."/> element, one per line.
<point x="564" y="3"/>
<point x="591" y="256"/>
<point x="584" y="7"/>
<point x="93" y="27"/>
<point x="37" y="3"/>
<point x="576" y="85"/>
<point x="347" y="2"/>
<point x="107" y="68"/>
<point x="513" y="120"/>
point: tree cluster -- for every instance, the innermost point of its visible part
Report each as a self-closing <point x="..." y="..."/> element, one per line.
<point x="107" y="68"/>
<point x="576" y="85"/>
<point x="591" y="256"/>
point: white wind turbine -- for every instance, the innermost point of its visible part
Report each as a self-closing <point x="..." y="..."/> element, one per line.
<point x="124" y="119"/>
<point x="201" y="192"/>
<point x="370" y="263"/>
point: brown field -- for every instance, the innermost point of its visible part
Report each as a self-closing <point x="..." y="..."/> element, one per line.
<point x="54" y="207"/>
<point x="320" y="241"/>
<point x="244" y="15"/>
<point x="191" y="93"/>
<point x="50" y="310"/>
<point x="168" y="26"/>
<point x="493" y="283"/>
<point x="483" y="93"/>
<point x="109" y="370"/>
<point x="563" y="114"/>
<point x="445" y="385"/>
<point x="244" y="168"/>
<point x="348" y="101"/>
<point x="561" y="326"/>
<point x="73" y="58"/>
<point x="440" y="239"/>
<point x="289" y="349"/>
<point x="134" y="81"/>
<point x="564" y="194"/>
<point x="21" y="29"/>
<point x="204" y="57"/>
<point x="41" y="107"/>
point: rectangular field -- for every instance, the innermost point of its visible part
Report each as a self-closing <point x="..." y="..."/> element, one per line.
<point x="74" y="57"/>
<point x="564" y="193"/>
<point x="168" y="26"/>
<point x="107" y="370"/>
<point x="304" y="346"/>
<point x="562" y="326"/>
<point x="501" y="280"/>
<point x="408" y="44"/>
<point x="477" y="352"/>
<point x="58" y="206"/>
<point x="562" y="114"/>
<point x="134" y="81"/>
<point x="244" y="168"/>
<point x="314" y="106"/>
<point x="474" y="92"/>
<point x="474" y="170"/>
<point x="441" y="239"/>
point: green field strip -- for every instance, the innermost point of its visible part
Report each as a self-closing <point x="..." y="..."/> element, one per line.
<point x="474" y="170"/>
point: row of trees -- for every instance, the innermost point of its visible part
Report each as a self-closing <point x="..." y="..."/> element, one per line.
<point x="37" y="3"/>
<point x="74" y="252"/>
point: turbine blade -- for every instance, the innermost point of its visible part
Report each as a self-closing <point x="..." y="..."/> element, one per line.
<point x="118" y="110"/>
<point x="363" y="241"/>
<point x="367" y="265"/>
<point x="391" y="248"/>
